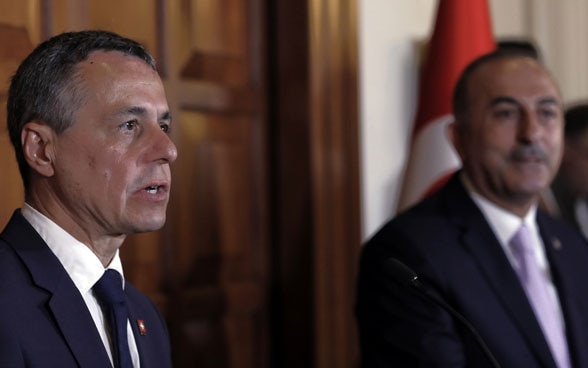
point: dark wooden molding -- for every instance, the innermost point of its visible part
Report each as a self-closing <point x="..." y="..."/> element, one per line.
<point x="317" y="205"/>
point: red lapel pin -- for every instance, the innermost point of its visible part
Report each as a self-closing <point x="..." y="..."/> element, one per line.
<point x="142" y="328"/>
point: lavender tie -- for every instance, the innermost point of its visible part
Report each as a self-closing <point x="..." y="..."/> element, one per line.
<point x="535" y="284"/>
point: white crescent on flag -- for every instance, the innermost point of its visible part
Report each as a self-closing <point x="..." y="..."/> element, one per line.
<point x="429" y="171"/>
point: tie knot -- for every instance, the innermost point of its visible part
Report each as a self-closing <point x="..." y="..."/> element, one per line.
<point x="521" y="241"/>
<point x="109" y="288"/>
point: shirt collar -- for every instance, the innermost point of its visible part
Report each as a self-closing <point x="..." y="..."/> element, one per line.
<point x="504" y="223"/>
<point x="80" y="263"/>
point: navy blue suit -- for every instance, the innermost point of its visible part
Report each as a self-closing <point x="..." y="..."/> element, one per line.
<point x="44" y="321"/>
<point x="449" y="244"/>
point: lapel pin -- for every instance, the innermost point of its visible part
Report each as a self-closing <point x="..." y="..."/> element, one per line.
<point x="556" y="243"/>
<point x="142" y="328"/>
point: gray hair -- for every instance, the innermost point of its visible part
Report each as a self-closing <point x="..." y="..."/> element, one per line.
<point x="46" y="85"/>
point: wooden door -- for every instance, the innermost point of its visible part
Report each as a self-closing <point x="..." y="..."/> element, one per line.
<point x="217" y="231"/>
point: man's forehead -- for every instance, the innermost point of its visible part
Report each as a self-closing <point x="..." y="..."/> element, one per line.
<point x="511" y="71"/>
<point x="514" y="78"/>
<point x="108" y="61"/>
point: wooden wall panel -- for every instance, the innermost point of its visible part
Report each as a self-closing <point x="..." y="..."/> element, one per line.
<point x="136" y="19"/>
<point x="24" y="14"/>
<point x="219" y="304"/>
<point x="212" y="204"/>
<point x="218" y="277"/>
<point x="16" y="41"/>
<point x="219" y="26"/>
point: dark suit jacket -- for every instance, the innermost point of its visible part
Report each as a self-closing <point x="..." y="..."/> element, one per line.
<point x="44" y="321"/>
<point x="449" y="244"/>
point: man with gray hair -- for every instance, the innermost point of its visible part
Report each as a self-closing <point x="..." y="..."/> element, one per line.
<point x="89" y="122"/>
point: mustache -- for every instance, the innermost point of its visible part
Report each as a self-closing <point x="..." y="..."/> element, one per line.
<point x="528" y="152"/>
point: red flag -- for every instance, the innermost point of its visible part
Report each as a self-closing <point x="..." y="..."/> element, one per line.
<point x="462" y="32"/>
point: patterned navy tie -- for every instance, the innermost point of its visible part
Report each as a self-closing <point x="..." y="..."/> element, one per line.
<point x="110" y="295"/>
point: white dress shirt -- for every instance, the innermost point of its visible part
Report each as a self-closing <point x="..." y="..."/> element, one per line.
<point x="504" y="225"/>
<point x="84" y="268"/>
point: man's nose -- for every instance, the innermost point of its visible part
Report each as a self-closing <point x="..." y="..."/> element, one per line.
<point x="163" y="148"/>
<point x="529" y="126"/>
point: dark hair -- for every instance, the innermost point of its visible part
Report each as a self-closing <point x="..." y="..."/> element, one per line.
<point x="522" y="45"/>
<point x="46" y="84"/>
<point x="576" y="118"/>
<point x="461" y="93"/>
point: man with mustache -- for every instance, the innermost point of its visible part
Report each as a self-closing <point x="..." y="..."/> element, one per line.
<point x="90" y="124"/>
<point x="480" y="243"/>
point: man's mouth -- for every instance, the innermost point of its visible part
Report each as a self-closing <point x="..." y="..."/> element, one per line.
<point x="152" y="189"/>
<point x="529" y="159"/>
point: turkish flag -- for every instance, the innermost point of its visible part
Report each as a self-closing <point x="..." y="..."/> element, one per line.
<point x="462" y="32"/>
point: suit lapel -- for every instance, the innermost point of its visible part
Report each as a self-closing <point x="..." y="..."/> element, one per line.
<point x="566" y="266"/>
<point x="65" y="302"/>
<point x="478" y="238"/>
<point x="77" y="326"/>
<point x="507" y="288"/>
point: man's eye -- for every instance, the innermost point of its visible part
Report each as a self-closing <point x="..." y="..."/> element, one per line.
<point x="129" y="125"/>
<point x="505" y="113"/>
<point x="546" y="113"/>
<point x="164" y="127"/>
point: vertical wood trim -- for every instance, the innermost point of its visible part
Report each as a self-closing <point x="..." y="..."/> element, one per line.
<point x="292" y="319"/>
<point x="258" y="70"/>
<point x="335" y="177"/>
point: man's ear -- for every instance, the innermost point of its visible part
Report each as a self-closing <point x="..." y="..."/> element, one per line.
<point x="37" y="141"/>
<point x="454" y="135"/>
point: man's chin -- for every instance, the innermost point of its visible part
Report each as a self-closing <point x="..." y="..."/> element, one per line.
<point x="532" y="182"/>
<point x="531" y="191"/>
<point x="147" y="225"/>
